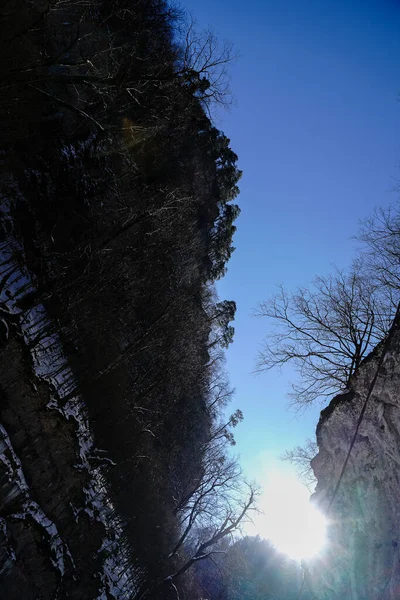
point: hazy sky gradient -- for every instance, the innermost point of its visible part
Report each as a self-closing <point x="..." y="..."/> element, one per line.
<point x="316" y="128"/>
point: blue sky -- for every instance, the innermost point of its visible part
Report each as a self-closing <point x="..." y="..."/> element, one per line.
<point x="316" y="127"/>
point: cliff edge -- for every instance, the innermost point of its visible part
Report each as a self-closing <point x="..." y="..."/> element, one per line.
<point x="361" y="560"/>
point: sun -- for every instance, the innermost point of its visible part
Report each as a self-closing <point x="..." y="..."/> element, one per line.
<point x="289" y="520"/>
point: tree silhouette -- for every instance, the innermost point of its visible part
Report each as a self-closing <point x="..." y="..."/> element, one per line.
<point x="325" y="331"/>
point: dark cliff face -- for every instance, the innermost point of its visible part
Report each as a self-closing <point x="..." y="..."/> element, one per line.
<point x="58" y="534"/>
<point x="361" y="560"/>
<point x="45" y="520"/>
<point x="115" y="220"/>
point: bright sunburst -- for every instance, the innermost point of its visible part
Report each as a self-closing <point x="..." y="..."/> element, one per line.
<point x="289" y="521"/>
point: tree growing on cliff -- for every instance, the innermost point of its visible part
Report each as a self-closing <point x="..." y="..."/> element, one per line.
<point x="236" y="511"/>
<point x="300" y="457"/>
<point x="202" y="64"/>
<point x="380" y="235"/>
<point x="207" y="497"/>
<point x="324" y="330"/>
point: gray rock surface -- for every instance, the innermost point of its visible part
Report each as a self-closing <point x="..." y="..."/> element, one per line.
<point x="361" y="560"/>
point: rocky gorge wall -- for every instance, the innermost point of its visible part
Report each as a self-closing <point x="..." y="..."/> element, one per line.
<point x="60" y="536"/>
<point x="361" y="560"/>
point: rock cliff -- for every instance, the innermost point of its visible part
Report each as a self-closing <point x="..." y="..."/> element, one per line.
<point x="361" y="560"/>
<point x="59" y="534"/>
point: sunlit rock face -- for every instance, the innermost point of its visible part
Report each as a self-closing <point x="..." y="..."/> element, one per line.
<point x="362" y="558"/>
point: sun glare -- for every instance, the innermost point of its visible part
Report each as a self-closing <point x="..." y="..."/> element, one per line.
<point x="290" y="521"/>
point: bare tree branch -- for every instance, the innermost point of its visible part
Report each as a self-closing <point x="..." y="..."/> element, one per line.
<point x="234" y="516"/>
<point x="301" y="457"/>
<point x="325" y="331"/>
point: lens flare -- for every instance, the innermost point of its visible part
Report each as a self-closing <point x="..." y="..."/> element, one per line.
<point x="289" y="520"/>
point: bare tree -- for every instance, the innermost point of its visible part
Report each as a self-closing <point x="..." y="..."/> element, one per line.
<point x="203" y="62"/>
<point x="205" y="500"/>
<point x="300" y="457"/>
<point x="380" y="235"/>
<point x="219" y="393"/>
<point x="222" y="431"/>
<point x="236" y="512"/>
<point x="215" y="483"/>
<point x="325" y="331"/>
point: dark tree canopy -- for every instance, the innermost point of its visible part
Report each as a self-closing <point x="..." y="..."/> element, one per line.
<point x="117" y="197"/>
